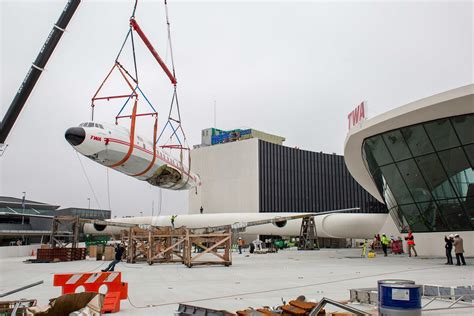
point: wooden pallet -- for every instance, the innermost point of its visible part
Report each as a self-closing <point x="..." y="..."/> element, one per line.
<point x="61" y="254"/>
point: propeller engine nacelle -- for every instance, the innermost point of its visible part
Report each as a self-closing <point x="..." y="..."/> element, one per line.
<point x="99" y="227"/>
<point x="280" y="224"/>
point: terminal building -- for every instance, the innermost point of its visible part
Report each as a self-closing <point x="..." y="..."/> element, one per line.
<point x="418" y="160"/>
<point x="245" y="170"/>
<point x="30" y="221"/>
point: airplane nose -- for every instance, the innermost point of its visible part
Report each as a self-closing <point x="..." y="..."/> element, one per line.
<point x="75" y="135"/>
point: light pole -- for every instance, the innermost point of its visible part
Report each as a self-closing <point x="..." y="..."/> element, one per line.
<point x="89" y="202"/>
<point x="23" y="201"/>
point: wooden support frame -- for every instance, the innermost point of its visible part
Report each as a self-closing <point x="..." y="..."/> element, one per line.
<point x="209" y="243"/>
<point x="154" y="245"/>
<point x="169" y="245"/>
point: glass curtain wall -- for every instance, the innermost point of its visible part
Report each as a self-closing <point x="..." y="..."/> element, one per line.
<point x="425" y="173"/>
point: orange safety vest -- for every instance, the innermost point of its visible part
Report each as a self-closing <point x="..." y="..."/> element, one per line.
<point x="410" y="239"/>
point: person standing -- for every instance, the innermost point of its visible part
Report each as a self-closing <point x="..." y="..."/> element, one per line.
<point x="385" y="242"/>
<point x="240" y="243"/>
<point x="119" y="250"/>
<point x="201" y="210"/>
<point x="449" y="247"/>
<point x="459" y="250"/>
<point x="173" y="217"/>
<point x="411" y="243"/>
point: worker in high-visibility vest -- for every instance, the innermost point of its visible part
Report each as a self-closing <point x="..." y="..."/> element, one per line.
<point x="385" y="242"/>
<point x="240" y="244"/>
<point x="411" y="243"/>
<point x="364" y="249"/>
<point x="173" y="217"/>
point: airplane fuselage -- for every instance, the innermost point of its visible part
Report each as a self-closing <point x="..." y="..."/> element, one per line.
<point x="347" y="225"/>
<point x="110" y="145"/>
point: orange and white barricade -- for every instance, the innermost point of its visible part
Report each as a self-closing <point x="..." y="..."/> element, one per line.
<point x="109" y="283"/>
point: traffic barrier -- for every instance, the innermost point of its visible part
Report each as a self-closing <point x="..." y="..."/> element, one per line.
<point x="116" y="290"/>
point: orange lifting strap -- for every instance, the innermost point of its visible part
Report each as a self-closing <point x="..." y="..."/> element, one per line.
<point x="155" y="132"/>
<point x="132" y="137"/>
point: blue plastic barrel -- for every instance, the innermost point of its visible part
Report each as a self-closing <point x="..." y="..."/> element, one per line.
<point x="399" y="299"/>
<point x="392" y="281"/>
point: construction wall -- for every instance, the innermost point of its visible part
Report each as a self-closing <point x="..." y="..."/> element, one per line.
<point x="229" y="176"/>
<point x="18" y="251"/>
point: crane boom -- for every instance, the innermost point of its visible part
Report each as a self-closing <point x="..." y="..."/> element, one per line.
<point x="36" y="69"/>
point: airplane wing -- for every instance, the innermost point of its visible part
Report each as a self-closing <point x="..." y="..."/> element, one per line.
<point x="278" y="220"/>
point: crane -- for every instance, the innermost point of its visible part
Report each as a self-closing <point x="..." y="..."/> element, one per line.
<point x="35" y="71"/>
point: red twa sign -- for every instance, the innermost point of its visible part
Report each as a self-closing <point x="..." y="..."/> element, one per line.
<point x="357" y="115"/>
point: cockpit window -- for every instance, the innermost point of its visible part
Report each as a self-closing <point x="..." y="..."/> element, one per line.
<point x="90" y="125"/>
<point x="100" y="126"/>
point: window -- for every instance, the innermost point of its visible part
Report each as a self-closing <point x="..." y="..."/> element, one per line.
<point x="470" y="154"/>
<point x="414" y="180"/>
<point x="396" y="184"/>
<point x="425" y="173"/>
<point x="378" y="149"/>
<point x="417" y="140"/>
<point x="397" y="146"/>
<point x="464" y="126"/>
<point x="442" y="134"/>
<point x="459" y="171"/>
<point x="414" y="218"/>
<point x="435" y="177"/>
<point x="454" y="215"/>
<point x="432" y="216"/>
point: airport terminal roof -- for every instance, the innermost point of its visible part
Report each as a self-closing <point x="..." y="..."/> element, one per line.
<point x="12" y="202"/>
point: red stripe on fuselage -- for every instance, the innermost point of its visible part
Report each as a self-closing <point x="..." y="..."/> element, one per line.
<point x="159" y="155"/>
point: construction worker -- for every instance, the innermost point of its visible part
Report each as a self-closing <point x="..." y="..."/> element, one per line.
<point x="173" y="217"/>
<point x="364" y="249"/>
<point x="119" y="250"/>
<point x="240" y="244"/>
<point x="411" y="243"/>
<point x="385" y="242"/>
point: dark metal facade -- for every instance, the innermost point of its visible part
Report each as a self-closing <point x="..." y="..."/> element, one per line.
<point x="294" y="180"/>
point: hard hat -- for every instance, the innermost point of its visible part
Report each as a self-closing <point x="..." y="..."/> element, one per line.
<point x="240" y="237"/>
<point x="451" y="236"/>
<point x="457" y="235"/>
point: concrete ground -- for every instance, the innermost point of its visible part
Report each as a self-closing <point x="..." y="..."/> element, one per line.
<point x="254" y="280"/>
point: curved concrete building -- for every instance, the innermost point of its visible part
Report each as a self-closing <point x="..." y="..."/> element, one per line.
<point x="418" y="159"/>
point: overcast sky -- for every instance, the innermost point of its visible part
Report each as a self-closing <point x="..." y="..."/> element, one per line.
<point x="294" y="69"/>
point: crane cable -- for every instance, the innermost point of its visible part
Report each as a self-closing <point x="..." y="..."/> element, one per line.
<point x="88" y="180"/>
<point x="173" y="100"/>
